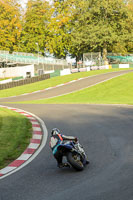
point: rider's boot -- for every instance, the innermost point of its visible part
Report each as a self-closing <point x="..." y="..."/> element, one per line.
<point x="66" y="165"/>
<point x="61" y="165"/>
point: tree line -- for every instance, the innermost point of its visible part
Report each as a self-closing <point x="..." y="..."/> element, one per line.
<point x="67" y="27"/>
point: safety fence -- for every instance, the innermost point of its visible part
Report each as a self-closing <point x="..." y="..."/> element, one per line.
<point x="96" y="58"/>
<point x="24" y="81"/>
<point x="117" y="58"/>
<point x="25" y="58"/>
<point x="50" y="67"/>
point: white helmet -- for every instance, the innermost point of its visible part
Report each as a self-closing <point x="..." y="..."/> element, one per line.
<point x="55" y="131"/>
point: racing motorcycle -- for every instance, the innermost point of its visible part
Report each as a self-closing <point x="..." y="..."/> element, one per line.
<point x="74" y="154"/>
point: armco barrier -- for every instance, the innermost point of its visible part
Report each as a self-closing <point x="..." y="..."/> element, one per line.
<point x="24" y="81"/>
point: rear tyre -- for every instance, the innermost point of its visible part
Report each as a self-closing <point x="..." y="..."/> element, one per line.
<point x="74" y="160"/>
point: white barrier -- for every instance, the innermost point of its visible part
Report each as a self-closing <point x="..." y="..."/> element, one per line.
<point x="82" y="69"/>
<point x="6" y="81"/>
<point x="65" y="72"/>
<point x="16" y="71"/>
<point x="88" y="69"/>
<point x="94" y="68"/>
<point x="123" y="65"/>
<point x="74" y="70"/>
<point x="104" y="67"/>
<point x="49" y="72"/>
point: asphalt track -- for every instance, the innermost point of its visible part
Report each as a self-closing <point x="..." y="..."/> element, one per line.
<point x="106" y="133"/>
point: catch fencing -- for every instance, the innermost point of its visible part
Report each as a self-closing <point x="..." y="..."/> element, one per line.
<point x="117" y="58"/>
<point x="28" y="58"/>
<point x="96" y="58"/>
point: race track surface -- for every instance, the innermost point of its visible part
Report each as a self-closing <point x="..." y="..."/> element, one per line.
<point x="106" y="132"/>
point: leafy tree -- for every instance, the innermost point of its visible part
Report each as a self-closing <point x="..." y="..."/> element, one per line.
<point x="35" y="24"/>
<point x="129" y="43"/>
<point x="100" y="25"/>
<point x="67" y="26"/>
<point x="10" y="25"/>
<point x="60" y="28"/>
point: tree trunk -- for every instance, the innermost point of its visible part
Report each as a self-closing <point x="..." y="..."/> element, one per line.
<point x="105" y="54"/>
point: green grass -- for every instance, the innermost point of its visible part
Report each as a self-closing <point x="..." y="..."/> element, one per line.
<point x="15" y="134"/>
<point x="49" y="83"/>
<point x="115" y="91"/>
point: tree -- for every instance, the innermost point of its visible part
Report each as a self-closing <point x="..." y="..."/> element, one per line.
<point x="129" y="43"/>
<point x="10" y="25"/>
<point x="58" y="41"/>
<point x="35" y="24"/>
<point x="100" y="25"/>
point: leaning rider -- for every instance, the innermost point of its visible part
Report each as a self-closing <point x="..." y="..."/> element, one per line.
<point x="56" y="139"/>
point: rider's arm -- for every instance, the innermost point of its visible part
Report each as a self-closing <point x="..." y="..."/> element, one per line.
<point x="68" y="137"/>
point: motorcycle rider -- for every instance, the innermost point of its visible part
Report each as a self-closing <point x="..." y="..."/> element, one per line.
<point x="56" y="139"/>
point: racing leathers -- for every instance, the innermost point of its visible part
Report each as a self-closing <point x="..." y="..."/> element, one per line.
<point x="55" y="141"/>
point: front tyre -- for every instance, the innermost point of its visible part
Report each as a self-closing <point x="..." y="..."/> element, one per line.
<point x="74" y="160"/>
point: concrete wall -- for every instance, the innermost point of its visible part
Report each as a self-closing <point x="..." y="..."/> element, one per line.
<point x="16" y="71"/>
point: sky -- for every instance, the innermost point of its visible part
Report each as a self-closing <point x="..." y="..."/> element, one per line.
<point x="23" y="2"/>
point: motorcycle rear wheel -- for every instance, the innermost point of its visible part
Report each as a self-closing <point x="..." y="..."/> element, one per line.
<point x="74" y="160"/>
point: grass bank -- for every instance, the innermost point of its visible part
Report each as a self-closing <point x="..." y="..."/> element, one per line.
<point x="50" y="83"/>
<point x="115" y="91"/>
<point x="15" y="134"/>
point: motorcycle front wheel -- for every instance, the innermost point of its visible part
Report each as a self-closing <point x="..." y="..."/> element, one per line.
<point x="74" y="160"/>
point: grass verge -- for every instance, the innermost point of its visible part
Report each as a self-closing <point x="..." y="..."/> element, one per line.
<point x="50" y="83"/>
<point x="15" y="134"/>
<point x="115" y="91"/>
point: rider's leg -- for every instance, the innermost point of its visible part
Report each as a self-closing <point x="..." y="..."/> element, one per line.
<point x="58" y="156"/>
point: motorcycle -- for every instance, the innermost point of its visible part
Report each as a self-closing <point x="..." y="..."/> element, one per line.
<point x="74" y="154"/>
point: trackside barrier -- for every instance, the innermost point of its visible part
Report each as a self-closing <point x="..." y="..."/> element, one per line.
<point x="115" y="65"/>
<point x="88" y="68"/>
<point x="17" y="71"/>
<point x="11" y="79"/>
<point x="82" y="69"/>
<point x="91" y="68"/>
<point x="123" y="65"/>
<point x="56" y="73"/>
<point x="94" y="67"/>
<point x="17" y="78"/>
<point x="24" y="81"/>
<point x="74" y="70"/>
<point x="6" y="81"/>
<point x="65" y="72"/>
<point x="49" y="72"/>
